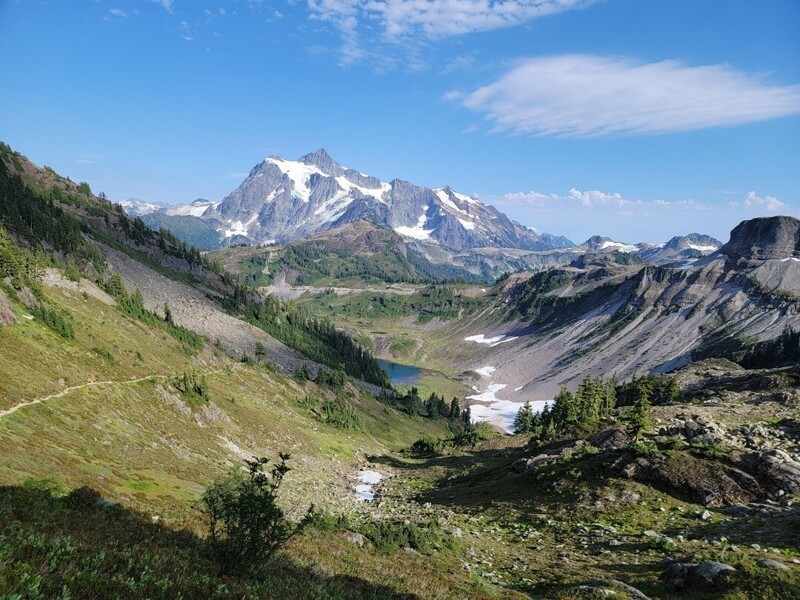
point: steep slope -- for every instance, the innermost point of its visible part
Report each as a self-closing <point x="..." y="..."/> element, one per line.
<point x="627" y="320"/>
<point x="533" y="332"/>
<point x="91" y="234"/>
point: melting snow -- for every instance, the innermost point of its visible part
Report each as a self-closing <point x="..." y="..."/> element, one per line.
<point x="485" y="371"/>
<point x="702" y="248"/>
<point x="502" y="412"/>
<point x="490" y="394"/>
<point x="792" y="258"/>
<point x="494" y="341"/>
<point x="364" y="489"/>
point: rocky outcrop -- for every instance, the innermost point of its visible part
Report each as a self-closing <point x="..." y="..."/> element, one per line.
<point x="705" y="482"/>
<point x="6" y="313"/>
<point x="780" y="474"/>
<point x="767" y="238"/>
<point x="610" y="439"/>
<point x="680" y="576"/>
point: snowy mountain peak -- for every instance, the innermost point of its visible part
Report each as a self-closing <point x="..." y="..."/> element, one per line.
<point x="324" y="162"/>
<point x="138" y="208"/>
<point x="284" y="200"/>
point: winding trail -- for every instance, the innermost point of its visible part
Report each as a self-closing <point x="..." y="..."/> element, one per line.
<point x="65" y="391"/>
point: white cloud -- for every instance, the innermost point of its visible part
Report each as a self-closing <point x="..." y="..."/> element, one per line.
<point x="167" y="5"/>
<point x="417" y="20"/>
<point x="118" y="12"/>
<point x="582" y="213"/>
<point x="590" y="96"/>
<point x="442" y="18"/>
<point x="767" y="203"/>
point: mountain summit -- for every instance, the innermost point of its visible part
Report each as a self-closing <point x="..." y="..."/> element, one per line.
<point x="283" y="200"/>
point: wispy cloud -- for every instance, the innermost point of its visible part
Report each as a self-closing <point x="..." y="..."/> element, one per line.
<point x="591" y="96"/>
<point x="372" y="23"/>
<point x="582" y="213"/>
<point x="769" y="204"/>
<point x="118" y="12"/>
<point x="186" y="31"/>
<point x="167" y="5"/>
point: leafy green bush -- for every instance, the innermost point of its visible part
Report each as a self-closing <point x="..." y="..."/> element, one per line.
<point x="59" y="320"/>
<point x="102" y="352"/>
<point x="246" y="525"/>
<point x="391" y="536"/>
<point x="339" y="413"/>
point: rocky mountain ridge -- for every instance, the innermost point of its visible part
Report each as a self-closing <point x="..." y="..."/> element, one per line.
<point x="282" y="200"/>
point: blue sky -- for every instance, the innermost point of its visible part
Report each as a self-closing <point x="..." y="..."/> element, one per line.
<point x="637" y="119"/>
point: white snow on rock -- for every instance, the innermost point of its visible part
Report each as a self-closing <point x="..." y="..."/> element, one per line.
<point x="485" y="371"/>
<point x="418" y="232"/>
<point x="702" y="248"/>
<point x="195" y="209"/>
<point x="237" y="228"/>
<point x="376" y="193"/>
<point x="620" y="245"/>
<point x="299" y="173"/>
<point x="790" y="258"/>
<point x="364" y="489"/>
<point x="469" y="225"/>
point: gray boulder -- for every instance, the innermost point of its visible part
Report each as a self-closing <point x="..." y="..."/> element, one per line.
<point x="684" y="576"/>
<point x="610" y="439"/>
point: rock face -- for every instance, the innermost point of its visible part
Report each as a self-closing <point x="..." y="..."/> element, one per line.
<point x="780" y="473"/>
<point x="282" y="200"/>
<point x="767" y="238"/>
<point x="6" y="314"/>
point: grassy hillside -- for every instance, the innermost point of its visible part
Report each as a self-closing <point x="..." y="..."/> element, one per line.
<point x="190" y="229"/>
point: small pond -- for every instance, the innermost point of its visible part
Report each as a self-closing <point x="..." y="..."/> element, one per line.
<point x="400" y="373"/>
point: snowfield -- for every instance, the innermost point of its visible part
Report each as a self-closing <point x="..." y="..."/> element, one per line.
<point x="364" y="489"/>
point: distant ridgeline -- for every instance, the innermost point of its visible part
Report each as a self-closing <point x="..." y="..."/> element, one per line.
<point x="53" y="222"/>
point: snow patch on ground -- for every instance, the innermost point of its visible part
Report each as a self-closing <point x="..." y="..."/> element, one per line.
<point x="502" y="412"/>
<point x="492" y="342"/>
<point x="366" y="480"/>
<point x="490" y="395"/>
<point x="790" y="258"/>
<point x="485" y="371"/>
<point x="702" y="248"/>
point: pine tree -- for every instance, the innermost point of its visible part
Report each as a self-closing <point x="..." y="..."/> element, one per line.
<point x="523" y="422"/>
<point x="455" y="409"/>
<point x="639" y="414"/>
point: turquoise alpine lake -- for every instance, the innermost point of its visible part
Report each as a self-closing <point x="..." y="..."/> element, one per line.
<point x="400" y="373"/>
